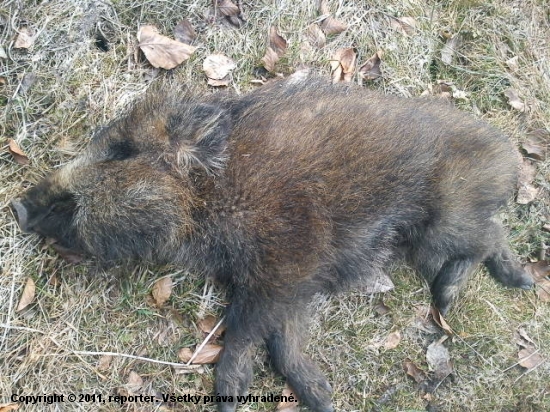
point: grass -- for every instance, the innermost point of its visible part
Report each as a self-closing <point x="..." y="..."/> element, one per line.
<point x="79" y="308"/>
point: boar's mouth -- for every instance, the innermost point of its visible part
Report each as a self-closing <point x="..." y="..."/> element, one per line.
<point x="21" y="215"/>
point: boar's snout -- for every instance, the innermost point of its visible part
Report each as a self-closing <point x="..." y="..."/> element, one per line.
<point x="20" y="213"/>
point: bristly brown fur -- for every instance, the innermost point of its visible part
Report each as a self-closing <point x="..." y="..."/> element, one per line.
<point x="295" y="189"/>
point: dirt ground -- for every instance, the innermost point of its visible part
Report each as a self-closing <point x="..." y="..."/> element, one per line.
<point x="68" y="66"/>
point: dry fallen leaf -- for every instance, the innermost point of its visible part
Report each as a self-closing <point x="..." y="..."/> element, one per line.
<point x="184" y="32"/>
<point x="523" y="339"/>
<point x="371" y="69"/>
<point x="162" y="289"/>
<point x="277" y="42"/>
<point x="423" y="320"/>
<point x="18" y="155"/>
<point x="24" y="39"/>
<point x="379" y="284"/>
<point x="210" y="353"/>
<point x="392" y="340"/>
<point x="449" y="49"/>
<point x="27" y="296"/>
<point x="329" y="24"/>
<point x="537" y="144"/>
<point x="7" y="407"/>
<point x="405" y="25"/>
<point x="381" y="308"/>
<point x="540" y="272"/>
<point x="526" y="191"/>
<point x="184" y="354"/>
<point x="161" y="51"/>
<point x="439" y="360"/>
<point x="208" y="323"/>
<point x="343" y="65"/>
<point x="315" y="36"/>
<point x="292" y="405"/>
<point x="414" y="371"/>
<point x="226" y="8"/>
<point x="530" y="357"/>
<point x="27" y="82"/>
<point x="514" y="100"/>
<point x="269" y="59"/>
<point x="217" y="68"/>
<point x="440" y="320"/>
<point x="275" y="49"/>
<point x="513" y="63"/>
<point x="104" y="362"/>
<point x="134" y="384"/>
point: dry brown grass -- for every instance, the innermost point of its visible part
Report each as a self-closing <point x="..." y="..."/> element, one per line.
<point x="79" y="86"/>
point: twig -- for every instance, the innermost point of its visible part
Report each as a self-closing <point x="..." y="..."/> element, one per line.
<point x="125" y="355"/>
<point x="204" y="342"/>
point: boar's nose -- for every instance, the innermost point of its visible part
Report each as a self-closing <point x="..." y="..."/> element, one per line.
<point x="20" y="213"/>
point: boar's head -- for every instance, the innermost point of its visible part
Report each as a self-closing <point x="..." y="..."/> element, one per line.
<point x="128" y="195"/>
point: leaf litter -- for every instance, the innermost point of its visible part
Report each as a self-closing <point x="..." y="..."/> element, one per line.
<point x="540" y="272"/>
<point x="276" y="48"/>
<point x="162" y="51"/>
<point x="25" y="38"/>
<point x="184" y="32"/>
<point x="315" y="36"/>
<point x="343" y="65"/>
<point x="528" y="354"/>
<point x="449" y="49"/>
<point x="27" y="296"/>
<point x="329" y="24"/>
<point x="209" y="353"/>
<point x="405" y="25"/>
<point x="414" y="371"/>
<point x="19" y="155"/>
<point x="537" y="144"/>
<point x="439" y="360"/>
<point x="162" y="289"/>
<point x="514" y="100"/>
<point x="527" y="192"/>
<point x="288" y="406"/>
<point x="392" y="340"/>
<point x="370" y="70"/>
<point x="217" y="68"/>
<point x="208" y="323"/>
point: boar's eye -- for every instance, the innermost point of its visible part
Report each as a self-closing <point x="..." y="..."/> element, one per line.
<point x="122" y="149"/>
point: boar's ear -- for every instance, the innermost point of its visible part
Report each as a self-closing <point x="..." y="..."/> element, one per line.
<point x="199" y="136"/>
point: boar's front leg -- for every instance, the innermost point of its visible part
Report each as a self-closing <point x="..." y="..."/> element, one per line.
<point x="234" y="369"/>
<point x="256" y="316"/>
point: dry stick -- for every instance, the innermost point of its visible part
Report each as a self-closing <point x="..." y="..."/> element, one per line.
<point x="8" y="326"/>
<point x="80" y="352"/>
<point x="125" y="355"/>
<point x="204" y="342"/>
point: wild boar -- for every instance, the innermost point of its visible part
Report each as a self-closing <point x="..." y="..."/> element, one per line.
<point x="298" y="188"/>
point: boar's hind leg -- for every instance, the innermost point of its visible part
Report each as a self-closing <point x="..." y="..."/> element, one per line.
<point x="285" y="349"/>
<point x="449" y="280"/>
<point x="502" y="265"/>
